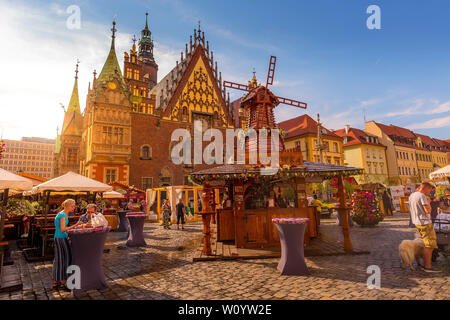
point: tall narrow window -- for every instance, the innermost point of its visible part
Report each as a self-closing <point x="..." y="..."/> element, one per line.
<point x="111" y="175"/>
<point x="147" y="183"/>
<point x="116" y="135"/>
<point x="107" y="135"/>
<point x="146" y="152"/>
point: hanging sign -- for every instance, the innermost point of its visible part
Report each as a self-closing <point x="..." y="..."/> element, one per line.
<point x="313" y="179"/>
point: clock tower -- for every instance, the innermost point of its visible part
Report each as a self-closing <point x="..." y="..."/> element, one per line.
<point x="106" y="139"/>
<point x="141" y="73"/>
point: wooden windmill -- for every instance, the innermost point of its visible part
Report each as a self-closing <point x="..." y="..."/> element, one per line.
<point x="259" y="103"/>
<point x="256" y="109"/>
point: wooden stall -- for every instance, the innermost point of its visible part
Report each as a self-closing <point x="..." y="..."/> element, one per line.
<point x="248" y="222"/>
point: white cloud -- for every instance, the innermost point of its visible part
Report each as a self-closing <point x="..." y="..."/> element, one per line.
<point x="40" y="54"/>
<point x="420" y="106"/>
<point x="431" y="124"/>
<point x="442" y="108"/>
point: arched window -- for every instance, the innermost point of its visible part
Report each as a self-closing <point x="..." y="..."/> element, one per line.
<point x="146" y="152"/>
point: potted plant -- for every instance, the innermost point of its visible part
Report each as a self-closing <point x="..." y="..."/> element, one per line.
<point x="364" y="209"/>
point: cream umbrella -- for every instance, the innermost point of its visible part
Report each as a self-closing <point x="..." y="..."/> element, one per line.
<point x="441" y="173"/>
<point x="69" y="182"/>
<point x="9" y="181"/>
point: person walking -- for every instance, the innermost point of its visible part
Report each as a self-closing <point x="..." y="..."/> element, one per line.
<point x="387" y="203"/>
<point x="63" y="254"/>
<point x="180" y="214"/>
<point x="421" y="217"/>
<point x="166" y="211"/>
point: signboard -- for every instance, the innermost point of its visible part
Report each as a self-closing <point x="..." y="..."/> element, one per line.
<point x="313" y="180"/>
<point x="135" y="196"/>
<point x="396" y="192"/>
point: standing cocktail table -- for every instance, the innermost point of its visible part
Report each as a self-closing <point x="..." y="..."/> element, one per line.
<point x="136" y="234"/>
<point x="87" y="251"/>
<point x="292" y="233"/>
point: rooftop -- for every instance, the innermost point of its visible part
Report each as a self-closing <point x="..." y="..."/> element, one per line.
<point x="357" y="136"/>
<point x="303" y="125"/>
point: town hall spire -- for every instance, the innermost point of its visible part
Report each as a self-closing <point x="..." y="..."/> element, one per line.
<point x="111" y="68"/>
<point x="146" y="43"/>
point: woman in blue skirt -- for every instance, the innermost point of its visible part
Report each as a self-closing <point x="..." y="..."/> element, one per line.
<point x="63" y="254"/>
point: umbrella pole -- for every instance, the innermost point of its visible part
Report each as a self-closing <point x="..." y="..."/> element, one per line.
<point x="45" y="233"/>
<point x="2" y="226"/>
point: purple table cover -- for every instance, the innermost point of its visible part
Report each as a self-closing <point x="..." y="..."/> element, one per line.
<point x="292" y="234"/>
<point x="87" y="252"/>
<point x="136" y="235"/>
<point x="123" y="221"/>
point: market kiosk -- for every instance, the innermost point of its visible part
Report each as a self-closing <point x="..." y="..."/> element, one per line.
<point x="254" y="198"/>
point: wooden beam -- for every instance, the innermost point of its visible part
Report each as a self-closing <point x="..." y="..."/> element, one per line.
<point x="343" y="213"/>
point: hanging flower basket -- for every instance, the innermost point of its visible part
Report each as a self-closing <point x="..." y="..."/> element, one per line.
<point x="365" y="211"/>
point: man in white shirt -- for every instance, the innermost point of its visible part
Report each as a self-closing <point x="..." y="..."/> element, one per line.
<point x="420" y="208"/>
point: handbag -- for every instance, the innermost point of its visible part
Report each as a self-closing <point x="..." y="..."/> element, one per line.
<point x="99" y="220"/>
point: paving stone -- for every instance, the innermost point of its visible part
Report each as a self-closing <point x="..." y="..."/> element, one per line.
<point x="161" y="271"/>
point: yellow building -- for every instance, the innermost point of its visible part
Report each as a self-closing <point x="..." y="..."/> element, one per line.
<point x="411" y="157"/>
<point x="106" y="137"/>
<point x="440" y="153"/>
<point x="424" y="156"/>
<point x="363" y="150"/>
<point x="302" y="132"/>
<point x="401" y="147"/>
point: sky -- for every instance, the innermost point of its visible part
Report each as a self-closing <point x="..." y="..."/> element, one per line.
<point x="326" y="56"/>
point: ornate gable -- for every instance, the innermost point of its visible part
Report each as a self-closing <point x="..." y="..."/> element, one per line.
<point x="198" y="93"/>
<point x="193" y="89"/>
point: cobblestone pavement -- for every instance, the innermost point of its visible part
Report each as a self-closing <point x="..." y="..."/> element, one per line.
<point x="164" y="270"/>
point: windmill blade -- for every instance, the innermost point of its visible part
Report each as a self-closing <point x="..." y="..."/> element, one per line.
<point x="271" y="72"/>
<point x="291" y="102"/>
<point x="233" y="85"/>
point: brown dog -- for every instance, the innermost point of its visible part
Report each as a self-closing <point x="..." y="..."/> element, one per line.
<point x="410" y="250"/>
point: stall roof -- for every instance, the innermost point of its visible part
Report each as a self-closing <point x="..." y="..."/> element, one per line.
<point x="9" y="180"/>
<point x="72" y="182"/>
<point x="307" y="169"/>
<point x="113" y="195"/>
<point x="128" y="189"/>
<point x="441" y="173"/>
